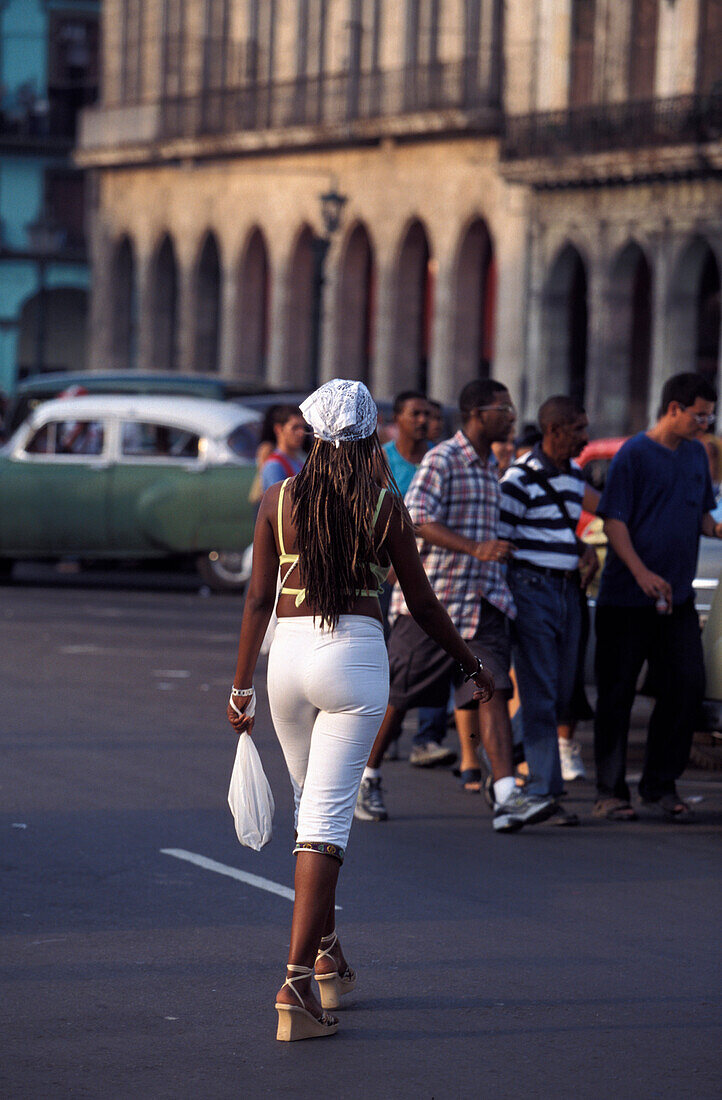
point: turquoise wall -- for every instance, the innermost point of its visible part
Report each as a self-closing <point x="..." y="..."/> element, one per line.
<point x="23" y="60"/>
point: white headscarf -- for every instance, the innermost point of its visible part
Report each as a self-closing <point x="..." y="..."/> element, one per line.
<point x="341" y="411"/>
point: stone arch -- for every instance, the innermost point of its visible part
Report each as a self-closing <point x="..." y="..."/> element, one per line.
<point x="253" y="306"/>
<point x="207" y="298"/>
<point x="628" y="341"/>
<point x="693" y="311"/>
<point x="302" y="371"/>
<point x="52" y="331"/>
<point x="414" y="296"/>
<point x="356" y="306"/>
<point x="474" y="303"/>
<point x="565" y="324"/>
<point x="164" y="306"/>
<point x="124" y="315"/>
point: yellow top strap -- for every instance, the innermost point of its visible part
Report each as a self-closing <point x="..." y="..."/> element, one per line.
<point x="377" y="511"/>
<point x="280" y="517"/>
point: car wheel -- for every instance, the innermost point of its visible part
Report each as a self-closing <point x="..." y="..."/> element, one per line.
<point x="224" y="570"/>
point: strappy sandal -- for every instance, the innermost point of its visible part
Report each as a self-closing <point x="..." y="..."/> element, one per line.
<point x="470" y="776"/>
<point x="333" y="986"/>
<point x="614" y="809"/>
<point x="296" y="1022"/>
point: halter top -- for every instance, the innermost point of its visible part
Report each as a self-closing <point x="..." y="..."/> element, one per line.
<point x="380" y="572"/>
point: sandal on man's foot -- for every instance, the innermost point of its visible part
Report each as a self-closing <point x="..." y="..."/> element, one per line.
<point x="614" y="809"/>
<point x="470" y="780"/>
<point x="672" y="806"/>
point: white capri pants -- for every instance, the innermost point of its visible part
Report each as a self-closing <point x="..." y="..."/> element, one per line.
<point x="328" y="692"/>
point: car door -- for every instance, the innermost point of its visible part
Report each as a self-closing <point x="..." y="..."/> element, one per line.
<point x="54" y="490"/>
<point x="154" y="489"/>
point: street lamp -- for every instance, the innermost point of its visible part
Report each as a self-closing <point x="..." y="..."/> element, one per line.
<point x="45" y="240"/>
<point x="332" y="204"/>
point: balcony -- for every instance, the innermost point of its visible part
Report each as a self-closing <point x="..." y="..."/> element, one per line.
<point x="41" y="124"/>
<point x="327" y="110"/>
<point x="673" y="134"/>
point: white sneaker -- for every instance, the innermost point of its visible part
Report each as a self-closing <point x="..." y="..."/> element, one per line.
<point x="570" y="755"/>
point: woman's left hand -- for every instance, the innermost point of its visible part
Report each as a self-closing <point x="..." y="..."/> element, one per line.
<point x="484" y="686"/>
<point x="240" y="722"/>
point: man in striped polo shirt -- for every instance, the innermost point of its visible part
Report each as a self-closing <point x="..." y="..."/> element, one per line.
<point x="542" y="497"/>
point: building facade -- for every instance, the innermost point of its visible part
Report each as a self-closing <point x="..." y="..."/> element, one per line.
<point x="614" y="126"/>
<point x="497" y="210"/>
<point x="48" y="72"/>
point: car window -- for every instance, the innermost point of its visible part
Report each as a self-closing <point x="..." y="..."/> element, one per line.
<point x="243" y="441"/>
<point x="68" y="437"/>
<point x="145" y="440"/>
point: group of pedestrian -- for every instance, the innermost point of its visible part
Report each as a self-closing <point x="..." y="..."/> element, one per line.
<point x="487" y="571"/>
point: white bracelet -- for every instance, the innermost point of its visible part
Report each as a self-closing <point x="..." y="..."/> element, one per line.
<point x="242" y="691"/>
<point x="250" y="708"/>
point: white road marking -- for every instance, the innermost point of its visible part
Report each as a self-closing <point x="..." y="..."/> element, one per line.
<point x="172" y="673"/>
<point x="232" y="872"/>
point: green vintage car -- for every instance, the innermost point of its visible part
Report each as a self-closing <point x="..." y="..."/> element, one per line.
<point x="135" y="477"/>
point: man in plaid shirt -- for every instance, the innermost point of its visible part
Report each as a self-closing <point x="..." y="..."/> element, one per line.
<point x="454" y="504"/>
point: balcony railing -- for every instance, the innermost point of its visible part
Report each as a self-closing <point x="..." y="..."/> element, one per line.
<point x="682" y="120"/>
<point x="45" y="121"/>
<point x="333" y="100"/>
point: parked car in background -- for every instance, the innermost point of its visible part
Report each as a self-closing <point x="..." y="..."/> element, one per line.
<point x="43" y="387"/>
<point x="133" y="477"/>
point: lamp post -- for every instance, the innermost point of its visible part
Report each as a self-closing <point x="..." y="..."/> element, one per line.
<point x="332" y="204"/>
<point x="45" y="239"/>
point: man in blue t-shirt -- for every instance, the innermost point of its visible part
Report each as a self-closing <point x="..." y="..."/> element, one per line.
<point x="656" y="503"/>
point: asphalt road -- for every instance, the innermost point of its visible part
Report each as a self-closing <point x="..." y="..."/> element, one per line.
<point x="553" y="962"/>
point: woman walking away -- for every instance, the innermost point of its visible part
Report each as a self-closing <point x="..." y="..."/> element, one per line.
<point x="335" y="533"/>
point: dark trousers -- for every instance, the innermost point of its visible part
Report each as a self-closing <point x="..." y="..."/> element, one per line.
<point x="545" y="637"/>
<point x="626" y="637"/>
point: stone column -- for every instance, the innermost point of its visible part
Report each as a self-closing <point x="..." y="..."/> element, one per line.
<point x="230" y="324"/>
<point x="609" y="319"/>
<point x="443" y="382"/>
<point x="660" y="353"/>
<point x="278" y="374"/>
<point x="533" y="382"/>
<point x="146" y="312"/>
<point x="329" y="365"/>
<point x="384" y="380"/>
<point x="100" y="319"/>
<point x="186" y="314"/>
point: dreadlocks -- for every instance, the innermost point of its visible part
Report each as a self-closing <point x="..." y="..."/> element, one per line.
<point x="334" y="499"/>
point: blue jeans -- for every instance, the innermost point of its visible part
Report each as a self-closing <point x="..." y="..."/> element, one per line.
<point x="545" y="640"/>
<point x="432" y="726"/>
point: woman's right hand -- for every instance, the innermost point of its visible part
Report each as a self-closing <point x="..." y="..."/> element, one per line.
<point x="484" y="686"/>
<point x="241" y="723"/>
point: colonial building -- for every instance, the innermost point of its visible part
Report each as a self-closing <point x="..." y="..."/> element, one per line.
<point x="614" y="125"/>
<point x="412" y="192"/>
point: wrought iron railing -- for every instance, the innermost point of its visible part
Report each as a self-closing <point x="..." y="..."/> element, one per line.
<point x="682" y="120"/>
<point x="333" y="100"/>
<point x="47" y="119"/>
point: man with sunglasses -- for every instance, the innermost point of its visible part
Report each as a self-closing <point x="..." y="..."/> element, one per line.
<point x="454" y="502"/>
<point x="656" y="504"/>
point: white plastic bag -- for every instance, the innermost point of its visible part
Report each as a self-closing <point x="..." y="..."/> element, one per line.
<point x="250" y="797"/>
